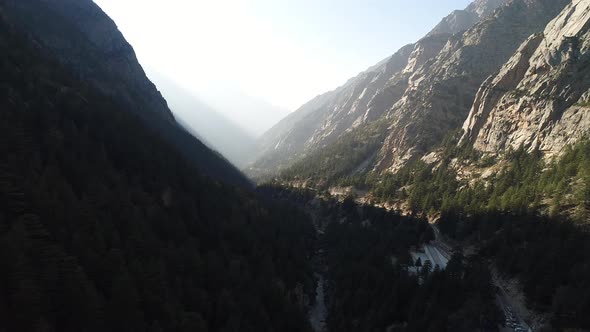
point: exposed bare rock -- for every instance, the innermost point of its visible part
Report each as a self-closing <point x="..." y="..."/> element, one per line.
<point x="441" y="92"/>
<point x="362" y="99"/>
<point x="540" y="97"/>
<point x="461" y="20"/>
<point x="79" y="37"/>
<point x="328" y="116"/>
<point x="426" y="49"/>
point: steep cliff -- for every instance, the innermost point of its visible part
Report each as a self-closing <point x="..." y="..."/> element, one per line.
<point x="461" y="20"/>
<point x="82" y="37"/>
<point x="362" y="99"/>
<point x="540" y="97"/>
<point x="440" y="93"/>
<point x="79" y="36"/>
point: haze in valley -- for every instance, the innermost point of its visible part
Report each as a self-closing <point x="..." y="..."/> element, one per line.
<point x="233" y="69"/>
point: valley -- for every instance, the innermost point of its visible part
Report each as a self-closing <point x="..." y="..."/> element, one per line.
<point x="444" y="189"/>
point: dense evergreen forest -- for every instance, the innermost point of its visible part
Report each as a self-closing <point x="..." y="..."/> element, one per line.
<point x="370" y="286"/>
<point x="104" y="227"/>
<point x="550" y="257"/>
<point x="335" y="163"/>
<point x="107" y="225"/>
<point x="529" y="220"/>
<point x="525" y="183"/>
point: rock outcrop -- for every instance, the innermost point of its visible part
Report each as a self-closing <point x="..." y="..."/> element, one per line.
<point x="441" y="92"/>
<point x="363" y="99"/>
<point x="540" y="99"/>
<point x="461" y="20"/>
<point x="328" y="116"/>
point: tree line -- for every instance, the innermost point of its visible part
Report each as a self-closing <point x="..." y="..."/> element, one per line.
<point x="105" y="227"/>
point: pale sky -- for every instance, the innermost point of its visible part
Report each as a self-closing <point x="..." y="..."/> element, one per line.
<point x="284" y="52"/>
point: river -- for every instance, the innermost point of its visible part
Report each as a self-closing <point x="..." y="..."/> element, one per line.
<point x="319" y="311"/>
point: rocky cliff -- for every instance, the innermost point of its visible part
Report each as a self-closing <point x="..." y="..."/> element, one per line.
<point x="461" y="20"/>
<point x="328" y="116"/>
<point x="540" y="99"/>
<point x="80" y="37"/>
<point x="362" y="99"/>
<point x="441" y="92"/>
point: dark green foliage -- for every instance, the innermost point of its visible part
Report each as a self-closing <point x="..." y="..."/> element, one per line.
<point x="368" y="284"/>
<point x="59" y="31"/>
<point x="370" y="291"/>
<point x="339" y="162"/>
<point x="367" y="291"/>
<point x="460" y="298"/>
<point x="425" y="188"/>
<point x="550" y="257"/>
<point x="105" y="227"/>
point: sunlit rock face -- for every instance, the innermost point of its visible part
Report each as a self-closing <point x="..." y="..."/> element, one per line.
<point x="540" y="99"/>
<point x="441" y="92"/>
<point x="365" y="98"/>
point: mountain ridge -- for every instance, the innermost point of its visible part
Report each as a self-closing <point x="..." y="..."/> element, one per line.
<point x="360" y="100"/>
<point x="440" y="94"/>
<point x="539" y="98"/>
<point x="82" y="38"/>
<point x="428" y="94"/>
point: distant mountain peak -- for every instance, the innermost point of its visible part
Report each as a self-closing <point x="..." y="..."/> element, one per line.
<point x="422" y="93"/>
<point x="484" y="8"/>
<point x="539" y="99"/>
<point x="461" y="20"/>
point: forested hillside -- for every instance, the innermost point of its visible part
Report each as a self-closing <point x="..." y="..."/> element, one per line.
<point x="427" y="89"/>
<point x="370" y="283"/>
<point x="114" y="218"/>
<point x="105" y="227"/>
<point x="79" y="36"/>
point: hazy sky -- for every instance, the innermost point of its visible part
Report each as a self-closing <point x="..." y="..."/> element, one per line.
<point x="282" y="51"/>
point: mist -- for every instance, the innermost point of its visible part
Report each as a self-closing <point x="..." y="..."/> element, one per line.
<point x="235" y="143"/>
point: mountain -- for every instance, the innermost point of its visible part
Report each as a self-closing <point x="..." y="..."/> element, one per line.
<point x="206" y="123"/>
<point x="114" y="218"/>
<point x="539" y="99"/>
<point x="486" y="136"/>
<point x="105" y="223"/>
<point x="423" y="93"/>
<point x="362" y="99"/>
<point x="460" y="20"/>
<point x="81" y="37"/>
<point x="440" y="93"/>
<point x="251" y="114"/>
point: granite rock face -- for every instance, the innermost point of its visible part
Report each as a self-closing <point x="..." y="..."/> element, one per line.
<point x="517" y="76"/>
<point x="78" y="36"/>
<point x="363" y="99"/>
<point x="441" y="92"/>
<point x="461" y="20"/>
<point x="540" y="99"/>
